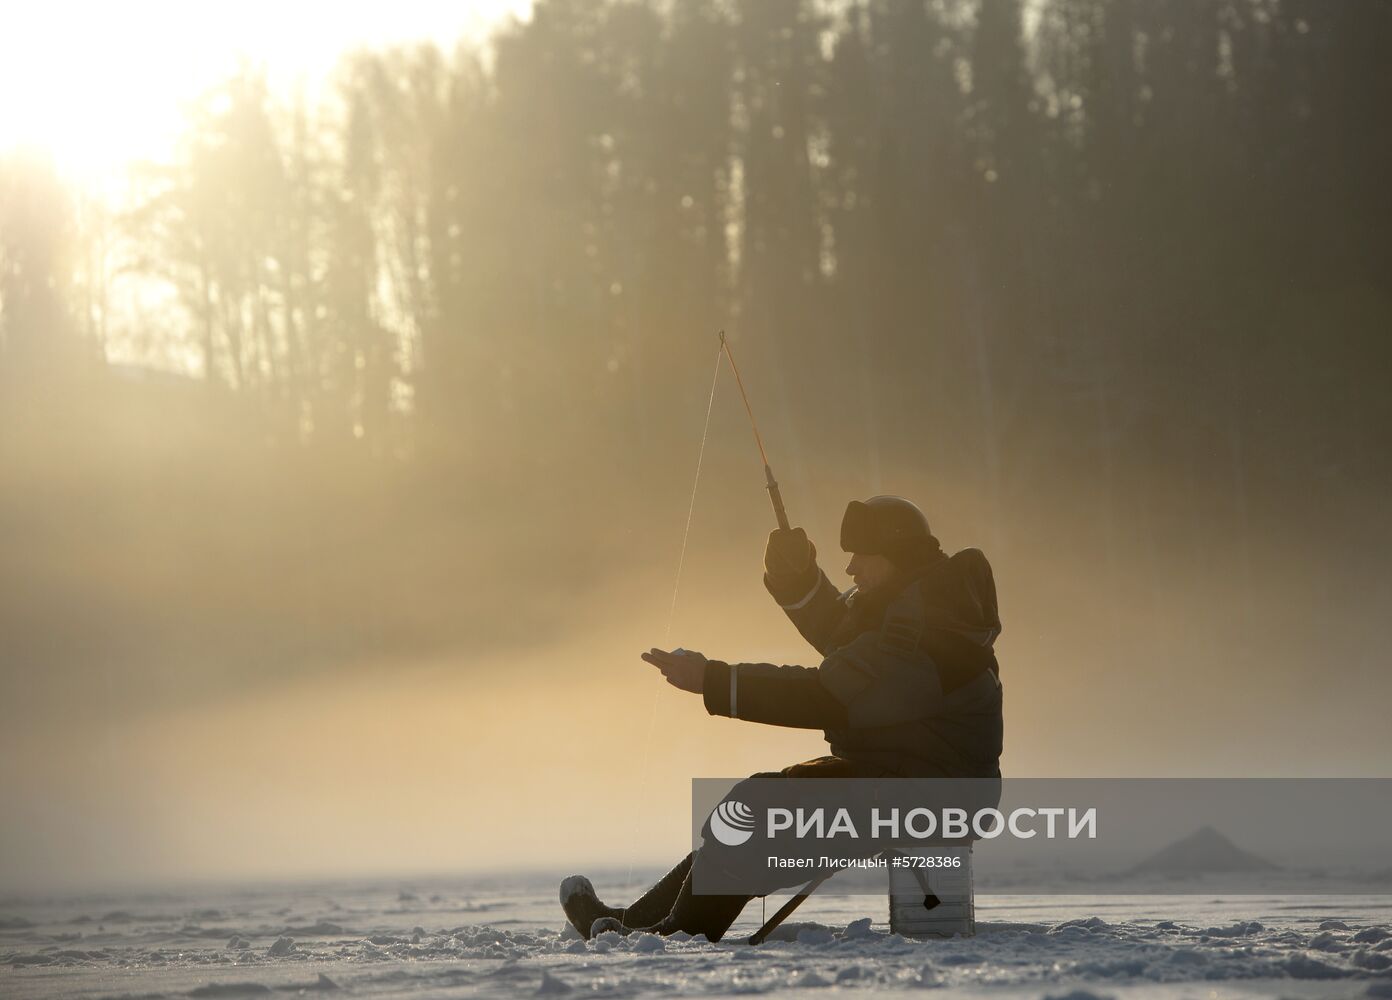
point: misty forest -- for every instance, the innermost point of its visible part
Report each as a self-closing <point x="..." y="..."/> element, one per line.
<point x="412" y="361"/>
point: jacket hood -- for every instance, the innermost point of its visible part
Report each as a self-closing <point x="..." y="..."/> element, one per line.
<point x="959" y="595"/>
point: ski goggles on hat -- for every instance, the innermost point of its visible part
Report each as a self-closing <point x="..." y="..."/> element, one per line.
<point x="860" y="530"/>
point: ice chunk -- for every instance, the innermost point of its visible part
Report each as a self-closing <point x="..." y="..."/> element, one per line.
<point x="648" y="943"/>
<point x="858" y="929"/>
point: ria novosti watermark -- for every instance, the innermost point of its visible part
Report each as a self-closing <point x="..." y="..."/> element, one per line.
<point x="1048" y="835"/>
<point x="732" y="823"/>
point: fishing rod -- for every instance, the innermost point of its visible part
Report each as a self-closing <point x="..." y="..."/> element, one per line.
<point x="775" y="497"/>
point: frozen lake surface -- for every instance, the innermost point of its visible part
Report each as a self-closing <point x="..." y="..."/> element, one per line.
<point x="504" y="936"/>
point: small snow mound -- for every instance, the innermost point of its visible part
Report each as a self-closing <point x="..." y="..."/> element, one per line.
<point x="282" y="946"/>
<point x="1333" y="925"/>
<point x="926" y="978"/>
<point x="809" y="980"/>
<point x="1372" y="961"/>
<point x="679" y="936"/>
<point x="1304" y="967"/>
<point x="324" y="983"/>
<point x="1241" y="928"/>
<point x="577" y="947"/>
<point x="1070" y="930"/>
<point x="1084" y="923"/>
<point x="551" y="986"/>
<point x="600" y="947"/>
<point x="1372" y="935"/>
<point x="569" y="933"/>
<point x="850" y="974"/>
<point x="815" y="935"/>
<point x="647" y="943"/>
<point x="858" y="929"/>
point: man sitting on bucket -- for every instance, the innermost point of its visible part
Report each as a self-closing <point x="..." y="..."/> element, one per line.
<point x="909" y="685"/>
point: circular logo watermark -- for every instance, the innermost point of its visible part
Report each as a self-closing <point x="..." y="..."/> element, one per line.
<point x="732" y="823"/>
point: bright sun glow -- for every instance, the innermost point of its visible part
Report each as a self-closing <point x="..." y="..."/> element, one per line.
<point x="99" y="84"/>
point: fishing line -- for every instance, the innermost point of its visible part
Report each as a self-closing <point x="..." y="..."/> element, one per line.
<point x="676" y="588"/>
<point x="691" y="508"/>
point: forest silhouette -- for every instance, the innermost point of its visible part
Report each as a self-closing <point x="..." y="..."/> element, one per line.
<point x="1102" y="284"/>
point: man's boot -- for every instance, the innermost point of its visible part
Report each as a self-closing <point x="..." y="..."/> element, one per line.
<point x="583" y="907"/>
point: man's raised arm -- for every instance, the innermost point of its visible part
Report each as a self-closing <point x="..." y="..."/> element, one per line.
<point x="799" y="586"/>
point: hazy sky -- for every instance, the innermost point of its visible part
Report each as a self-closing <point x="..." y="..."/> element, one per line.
<point x="98" y="84"/>
<point x="222" y="660"/>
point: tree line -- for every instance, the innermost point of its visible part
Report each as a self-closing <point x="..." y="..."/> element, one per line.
<point x="1015" y="245"/>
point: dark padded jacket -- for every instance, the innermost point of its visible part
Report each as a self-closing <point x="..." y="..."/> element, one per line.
<point x="909" y="685"/>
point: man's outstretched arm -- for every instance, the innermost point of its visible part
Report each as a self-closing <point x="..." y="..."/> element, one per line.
<point x="773" y="695"/>
<point x="755" y="692"/>
<point x="868" y="683"/>
<point x="873" y="681"/>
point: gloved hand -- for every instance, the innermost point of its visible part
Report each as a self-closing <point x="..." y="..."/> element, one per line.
<point x="789" y="553"/>
<point x="683" y="668"/>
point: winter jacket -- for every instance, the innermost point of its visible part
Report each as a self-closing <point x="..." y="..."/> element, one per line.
<point x="909" y="685"/>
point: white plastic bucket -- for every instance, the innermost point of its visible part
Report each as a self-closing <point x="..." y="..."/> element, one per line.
<point x="955" y="912"/>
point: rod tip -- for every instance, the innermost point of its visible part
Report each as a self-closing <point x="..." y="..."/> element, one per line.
<point x="722" y="336"/>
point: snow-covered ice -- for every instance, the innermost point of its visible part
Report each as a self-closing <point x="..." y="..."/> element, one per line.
<point x="505" y="936"/>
